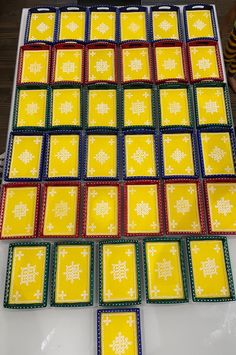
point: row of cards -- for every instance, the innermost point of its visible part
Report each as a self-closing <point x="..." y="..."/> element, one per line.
<point x="64" y="211"/>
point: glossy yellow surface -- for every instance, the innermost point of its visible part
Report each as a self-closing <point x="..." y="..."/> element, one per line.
<point x="73" y="269"/>
<point x="199" y="24"/>
<point x="35" y="66"/>
<point x="19" y="212"/>
<point x="102" y="108"/>
<point x="103" y="25"/>
<point x="138" y="107"/>
<point x="222" y="205"/>
<point x="211" y="105"/>
<point x="174" y="107"/>
<point x="63" y="155"/>
<point x="102" y="210"/>
<point x="182" y="208"/>
<point x="217" y="153"/>
<point x="133" y="26"/>
<point x="140" y="155"/>
<point x="178" y="154"/>
<point x="142" y="209"/>
<point x="165" y="25"/>
<point x="61" y="211"/>
<point x="209" y="269"/>
<point x="169" y="63"/>
<point x="42" y="26"/>
<point x="27" y="275"/>
<point x="25" y="158"/>
<point x="119" y="328"/>
<point x="136" y="64"/>
<point x="204" y="62"/>
<point x="72" y="25"/>
<point x="164" y="274"/>
<point x="66" y="107"/>
<point x="119" y="273"/>
<point x="68" y="65"/>
<point x="101" y="65"/>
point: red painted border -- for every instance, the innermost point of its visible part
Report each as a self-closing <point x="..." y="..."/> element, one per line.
<point x="200" y="206"/>
<point x="159" y="201"/>
<point x="33" y="47"/>
<point x="43" y="208"/>
<point x="100" y="45"/>
<point x="37" y="205"/>
<point x="85" y="201"/>
<point x="215" y="181"/>
<point x="54" y="57"/>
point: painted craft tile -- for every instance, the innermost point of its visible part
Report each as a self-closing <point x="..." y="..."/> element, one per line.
<point x="101" y="156"/>
<point x="165" y="25"/>
<point x="133" y="26"/>
<point x="199" y="24"/>
<point x="221" y="206"/>
<point x="140" y="155"/>
<point x="210" y="270"/>
<point x="101" y="211"/>
<point x="216" y="148"/>
<point x="60" y="211"/>
<point x="119" y="274"/>
<point x="204" y="63"/>
<point x="101" y="64"/>
<point x="27" y="276"/>
<point x="169" y="63"/>
<point x="19" y="211"/>
<point x="165" y="276"/>
<point x="35" y="66"/>
<point x="68" y="65"/>
<point x="102" y="108"/>
<point x="25" y="157"/>
<point x="119" y="332"/>
<point x="66" y="110"/>
<point x="142" y="209"/>
<point x="102" y="25"/>
<point x="31" y="108"/>
<point x="177" y="151"/>
<point x="211" y="106"/>
<point x="138" y="107"/>
<point x="63" y="156"/>
<point x="183" y="208"/>
<point x="73" y="275"/>
<point x="174" y="107"/>
<point x="136" y="65"/>
<point x="72" y="25"/>
<point x="41" y="26"/>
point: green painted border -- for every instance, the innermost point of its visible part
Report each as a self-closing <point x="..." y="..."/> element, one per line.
<point x="100" y="86"/>
<point x="136" y="86"/>
<point x="54" y="271"/>
<point x="226" y="99"/>
<point x="227" y="265"/>
<point x="117" y="303"/>
<point x="16" y="107"/>
<point x="183" y="270"/>
<point x="190" y="105"/>
<point x="64" y="127"/>
<point x="9" y="270"/>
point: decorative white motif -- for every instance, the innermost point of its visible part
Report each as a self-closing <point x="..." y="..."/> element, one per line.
<point x="66" y="107"/>
<point x="173" y="250"/>
<point x="155" y="291"/>
<point x="182" y="206"/>
<point x="16" y="296"/>
<point x="35" y="68"/>
<point x="28" y="274"/>
<point x="199" y="290"/>
<point x="199" y="25"/>
<point x="101" y="66"/>
<point x="169" y="64"/>
<point x="72" y="26"/>
<point x="68" y="67"/>
<point x="84" y="295"/>
<point x="223" y="206"/>
<point x="177" y="290"/>
<point x="103" y="28"/>
<point x="211" y="107"/>
<point x="164" y="269"/>
<point x="135" y="64"/>
<point x="101" y="157"/>
<point x="133" y="27"/>
<point x="63" y="155"/>
<point x="38" y="294"/>
<point x="32" y="108"/>
<point x="106" y="320"/>
<point x="42" y="27"/>
<point x="19" y="254"/>
<point x="174" y="107"/>
<point x="72" y="272"/>
<point x="20" y="210"/>
<point x="139" y="155"/>
<point x="209" y="267"/>
<point x="165" y="25"/>
<point x="102" y="208"/>
<point x="102" y="108"/>
<point x="137" y="107"/>
<point x="120" y="344"/>
<point x="178" y="155"/>
<point x="61" y="209"/>
<point x="26" y="156"/>
<point x="224" y="291"/>
<point x="142" y="209"/>
<point x="204" y="64"/>
<point x="119" y="271"/>
<point x="217" y="154"/>
<point x="130" y="321"/>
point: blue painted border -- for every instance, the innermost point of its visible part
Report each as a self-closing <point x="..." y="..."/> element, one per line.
<point x="134" y="8"/>
<point x="102" y="8"/>
<point x="71" y="8"/>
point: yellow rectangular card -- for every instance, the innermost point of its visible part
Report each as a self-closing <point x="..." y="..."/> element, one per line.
<point x="204" y="62"/>
<point x="169" y="63"/>
<point x="72" y="25"/>
<point x="102" y="25"/>
<point x="101" y="63"/>
<point x="135" y="63"/>
<point x="165" y="25"/>
<point x="41" y="26"/>
<point x="68" y="63"/>
<point x="133" y="26"/>
<point x="199" y="24"/>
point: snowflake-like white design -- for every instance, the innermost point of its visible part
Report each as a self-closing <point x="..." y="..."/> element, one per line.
<point x="66" y="107"/>
<point x="142" y="209"/>
<point x="72" y="272"/>
<point x="119" y="271"/>
<point x="61" y="209"/>
<point x="199" y="25"/>
<point x="204" y="64"/>
<point x="164" y="269"/>
<point x="211" y="107"/>
<point x="35" y="68"/>
<point x="169" y="64"/>
<point x="102" y="108"/>
<point x="102" y="208"/>
<point x="26" y="156"/>
<point x="217" y="154"/>
<point x="137" y="107"/>
<point x="32" y="108"/>
<point x="68" y="67"/>
<point x="133" y="27"/>
<point x="20" y="210"/>
<point x="120" y="344"/>
<point x="101" y="66"/>
<point x="178" y="155"/>
<point x="209" y="267"/>
<point x="102" y="28"/>
<point x="182" y="206"/>
<point x="63" y="155"/>
<point x="165" y="25"/>
<point x="139" y="155"/>
<point x="28" y="274"/>
<point x="135" y="64"/>
<point x="42" y="27"/>
<point x="101" y="157"/>
<point x="72" y="26"/>
<point x="223" y="206"/>
<point x="174" y="107"/>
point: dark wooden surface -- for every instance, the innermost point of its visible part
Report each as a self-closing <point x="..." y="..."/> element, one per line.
<point x="10" y="15"/>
